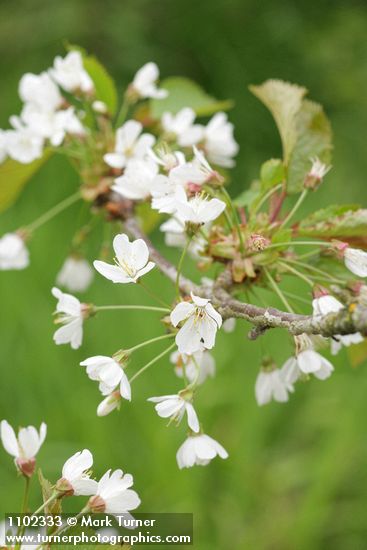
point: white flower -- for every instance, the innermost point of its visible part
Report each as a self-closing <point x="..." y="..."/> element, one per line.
<point x="3" y="152"/>
<point x="70" y="315"/>
<point x="306" y="361"/>
<point x="168" y="191"/>
<point x="271" y="385"/>
<point x="40" y="91"/>
<point x="193" y="173"/>
<point x="99" y="107"/>
<point x="13" y="252"/>
<point x="196" y="367"/>
<point x="24" y="447"/>
<point x="201" y="322"/>
<point x="310" y="361"/>
<point x="166" y="158"/>
<point x="130" y="144"/>
<point x="109" y="404"/>
<point x="131" y="261"/>
<point x="23" y="144"/>
<point x="109" y="373"/>
<point x="175" y="406"/>
<point x="70" y="74"/>
<point x="318" y="169"/>
<point x="199" y="450"/>
<point x="52" y="125"/>
<point x="199" y="209"/>
<point x="114" y="495"/>
<point x="356" y="261"/>
<point x="136" y="182"/>
<point x="219" y="143"/>
<point x="163" y="191"/>
<point x="144" y="83"/>
<point x="229" y="325"/>
<point x="75" y="478"/>
<point x="76" y="274"/>
<point x="181" y="127"/>
<point x="328" y="304"/>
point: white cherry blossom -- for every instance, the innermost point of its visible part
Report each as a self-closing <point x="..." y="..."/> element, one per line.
<point x="3" y="152"/>
<point x="328" y="304"/>
<point x="219" y="143"/>
<point x="196" y="367"/>
<point x="70" y="313"/>
<point x="306" y="361"/>
<point x="75" y="274"/>
<point x="130" y="144"/>
<point x="181" y="126"/>
<point x="174" y="407"/>
<point x="271" y="385"/>
<point x="199" y="329"/>
<point x="229" y="325"/>
<point x="136" y="181"/>
<point x="144" y="83"/>
<point x="25" y="447"/>
<point x="70" y="74"/>
<point x="356" y="261"/>
<point x="75" y="479"/>
<point x="109" y="403"/>
<point x="199" y="450"/>
<point x="132" y="261"/>
<point x="198" y="209"/>
<point x="13" y="252"/>
<point x="40" y="91"/>
<point x="113" y="495"/>
<point x="109" y="373"/>
<point x="52" y="125"/>
<point x="23" y="144"/>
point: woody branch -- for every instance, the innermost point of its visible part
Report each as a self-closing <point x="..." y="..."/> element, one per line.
<point x="347" y="321"/>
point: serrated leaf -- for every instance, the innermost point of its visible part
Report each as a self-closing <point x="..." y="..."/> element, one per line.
<point x="184" y="92"/>
<point x="246" y="198"/>
<point x="314" y="139"/>
<point x="325" y="214"/>
<point x="336" y="222"/>
<point x="14" y="176"/>
<point x="47" y="490"/>
<point x="272" y="173"/>
<point x="283" y="100"/>
<point x="105" y="88"/>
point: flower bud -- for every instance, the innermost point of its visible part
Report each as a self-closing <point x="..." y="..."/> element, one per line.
<point x="257" y="242"/>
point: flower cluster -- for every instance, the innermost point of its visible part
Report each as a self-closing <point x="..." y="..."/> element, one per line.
<point x="111" y="494"/>
<point x="172" y="169"/>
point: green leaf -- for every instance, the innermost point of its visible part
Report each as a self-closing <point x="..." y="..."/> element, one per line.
<point x="14" y="176"/>
<point x="337" y="222"/>
<point x="272" y="173"/>
<point x="47" y="491"/>
<point x="314" y="139"/>
<point x="304" y="128"/>
<point x="283" y="100"/>
<point x="104" y="85"/>
<point x="247" y="197"/>
<point x="183" y="92"/>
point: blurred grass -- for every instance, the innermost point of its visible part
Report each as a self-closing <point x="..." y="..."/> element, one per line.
<point x="296" y="476"/>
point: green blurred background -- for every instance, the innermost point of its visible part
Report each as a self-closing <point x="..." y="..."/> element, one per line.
<point x="296" y="476"/>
